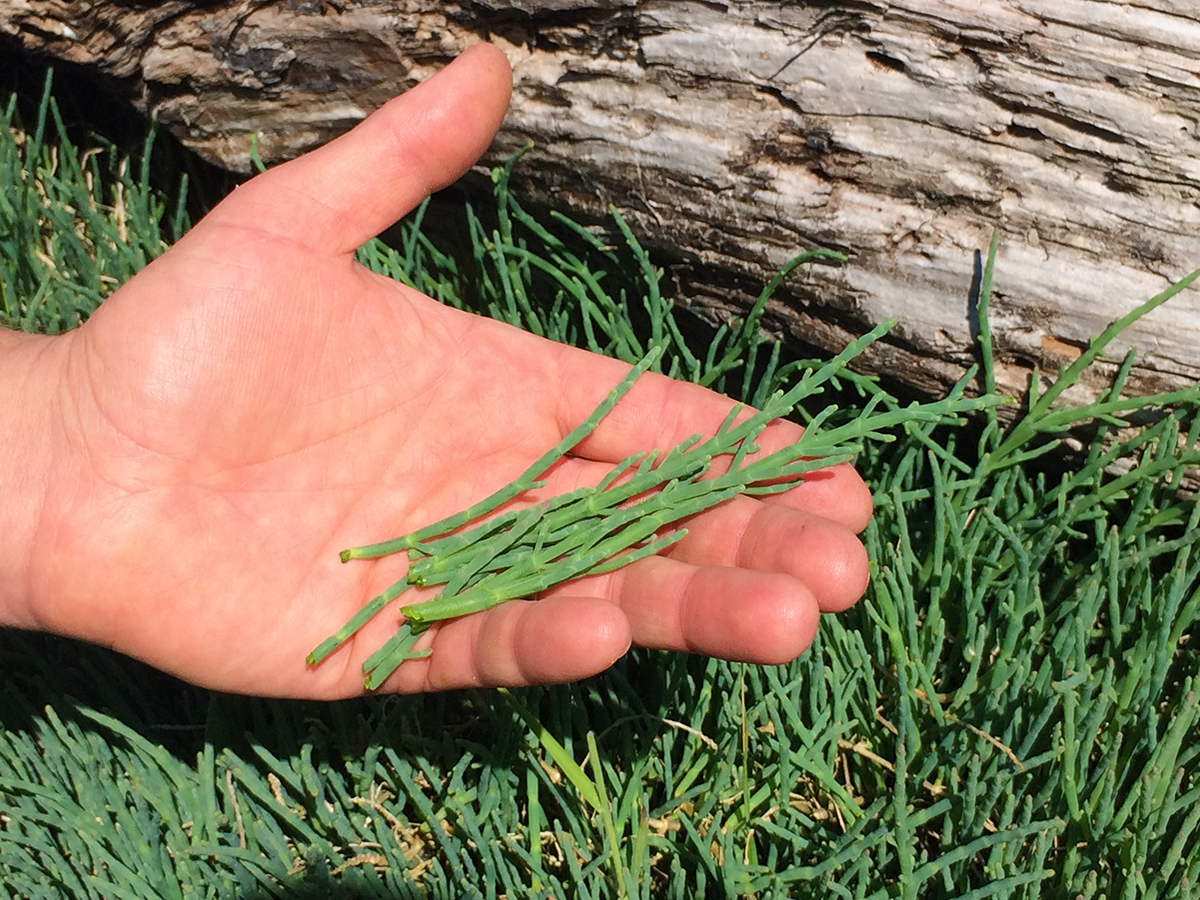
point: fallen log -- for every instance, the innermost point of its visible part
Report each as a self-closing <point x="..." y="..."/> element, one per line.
<point x="734" y="134"/>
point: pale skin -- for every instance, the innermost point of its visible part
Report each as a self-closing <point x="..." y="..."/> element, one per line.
<point x="181" y="471"/>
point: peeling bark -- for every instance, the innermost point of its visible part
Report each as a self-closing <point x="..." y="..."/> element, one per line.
<point x="737" y="133"/>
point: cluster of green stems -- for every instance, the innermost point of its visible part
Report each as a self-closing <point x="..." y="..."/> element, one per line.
<point x="629" y="515"/>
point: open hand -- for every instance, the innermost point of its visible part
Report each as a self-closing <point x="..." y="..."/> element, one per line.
<point x="255" y="401"/>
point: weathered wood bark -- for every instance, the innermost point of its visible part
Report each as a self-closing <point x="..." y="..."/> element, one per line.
<point x="736" y="133"/>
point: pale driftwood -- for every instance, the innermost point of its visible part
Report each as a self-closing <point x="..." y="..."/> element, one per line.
<point x="735" y="133"/>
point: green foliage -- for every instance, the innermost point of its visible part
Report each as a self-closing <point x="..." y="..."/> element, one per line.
<point x="74" y="225"/>
<point x="1010" y="712"/>
<point x="597" y="529"/>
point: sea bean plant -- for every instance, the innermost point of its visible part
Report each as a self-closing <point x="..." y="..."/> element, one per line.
<point x="596" y="529"/>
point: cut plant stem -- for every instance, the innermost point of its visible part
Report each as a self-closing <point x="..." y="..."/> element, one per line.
<point x="629" y="515"/>
<point x="526" y="481"/>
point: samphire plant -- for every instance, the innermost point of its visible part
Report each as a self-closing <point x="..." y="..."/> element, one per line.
<point x="599" y="528"/>
<point x="630" y="513"/>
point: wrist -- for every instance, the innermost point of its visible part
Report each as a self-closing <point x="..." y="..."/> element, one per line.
<point x="28" y="398"/>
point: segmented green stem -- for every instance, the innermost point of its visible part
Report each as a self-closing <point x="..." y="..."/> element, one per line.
<point x="627" y="516"/>
<point x="524" y="482"/>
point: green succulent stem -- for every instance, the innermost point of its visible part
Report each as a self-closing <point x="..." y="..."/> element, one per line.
<point x="630" y="514"/>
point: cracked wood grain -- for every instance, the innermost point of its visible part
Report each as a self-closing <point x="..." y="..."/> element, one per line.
<point x="736" y="133"/>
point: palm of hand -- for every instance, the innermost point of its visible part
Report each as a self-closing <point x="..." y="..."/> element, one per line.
<point x="252" y="425"/>
<point x="255" y="401"/>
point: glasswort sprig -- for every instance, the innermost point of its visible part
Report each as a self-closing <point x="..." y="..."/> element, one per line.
<point x="629" y="515"/>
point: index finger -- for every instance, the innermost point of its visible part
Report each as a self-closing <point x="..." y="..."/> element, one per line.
<point x="659" y="412"/>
